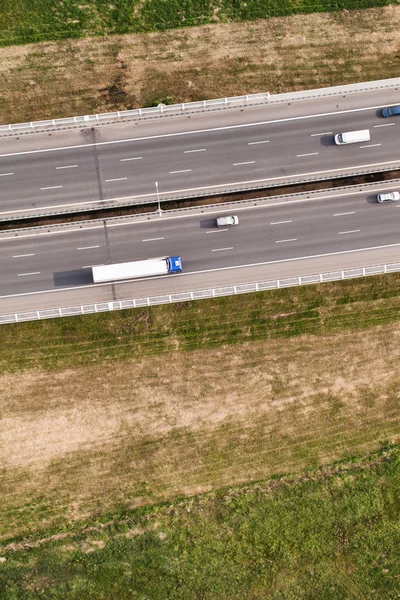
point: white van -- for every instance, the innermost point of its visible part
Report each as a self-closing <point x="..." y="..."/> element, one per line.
<point x="352" y="137"/>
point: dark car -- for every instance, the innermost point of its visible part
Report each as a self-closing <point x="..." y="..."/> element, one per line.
<point x="391" y="111"/>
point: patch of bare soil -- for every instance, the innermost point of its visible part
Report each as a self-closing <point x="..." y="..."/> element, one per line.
<point x="119" y="72"/>
<point x="138" y="430"/>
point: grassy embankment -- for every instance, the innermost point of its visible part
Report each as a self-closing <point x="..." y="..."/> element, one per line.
<point x="56" y="79"/>
<point x="334" y="535"/>
<point x="117" y="410"/>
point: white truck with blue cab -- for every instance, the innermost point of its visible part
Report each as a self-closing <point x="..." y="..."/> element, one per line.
<point x="137" y="268"/>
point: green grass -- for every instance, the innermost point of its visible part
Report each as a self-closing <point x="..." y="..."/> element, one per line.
<point x="320" y="309"/>
<point x="333" y="535"/>
<point x="27" y="21"/>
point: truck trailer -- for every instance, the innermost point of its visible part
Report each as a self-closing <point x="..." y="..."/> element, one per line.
<point x="137" y="268"/>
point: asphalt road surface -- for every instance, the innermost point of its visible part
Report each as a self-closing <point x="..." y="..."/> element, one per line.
<point x="213" y="151"/>
<point x="39" y="267"/>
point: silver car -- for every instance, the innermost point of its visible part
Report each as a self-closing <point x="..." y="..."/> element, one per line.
<point x="388" y="197"/>
<point x="228" y="221"/>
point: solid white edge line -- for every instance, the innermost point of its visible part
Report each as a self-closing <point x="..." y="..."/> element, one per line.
<point x="271" y="262"/>
<point x="182" y="133"/>
<point x="206" y="187"/>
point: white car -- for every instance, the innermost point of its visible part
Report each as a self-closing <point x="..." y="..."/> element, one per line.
<point x="388" y="197"/>
<point x="228" y="221"/>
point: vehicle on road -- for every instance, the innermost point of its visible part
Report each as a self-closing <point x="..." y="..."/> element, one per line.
<point x="228" y="221"/>
<point x="352" y="137"/>
<point x="391" y="111"/>
<point x="138" y="268"/>
<point x="388" y="197"/>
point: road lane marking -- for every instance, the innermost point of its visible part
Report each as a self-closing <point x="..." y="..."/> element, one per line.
<point x="117" y="179"/>
<point x="215" y="270"/>
<point x="222" y="185"/>
<point x="88" y="247"/>
<point x="249" y="162"/>
<point x="199" y="150"/>
<point x="323" y="133"/>
<point x="217" y="230"/>
<point x="221" y="249"/>
<point x="352" y="231"/>
<point x="22" y="255"/>
<point x="289" y="240"/>
<point x="191" y="132"/>
<point x="132" y="158"/>
<point x="309" y="154"/>
<point x="153" y="239"/>
<point x="25" y="274"/>
<point x="182" y="171"/>
<point x="5" y="174"/>
<point x="254" y="143"/>
<point x="370" y="145"/>
<point x="346" y="213"/>
<point x="52" y="187"/>
<point x="67" y="167"/>
<point x="279" y="222"/>
<point x="385" y="125"/>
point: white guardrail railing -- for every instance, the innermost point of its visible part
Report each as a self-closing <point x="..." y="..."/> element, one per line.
<point x="196" y="107"/>
<point x="245" y="288"/>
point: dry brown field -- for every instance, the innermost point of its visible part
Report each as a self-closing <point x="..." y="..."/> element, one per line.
<point x="75" y="77"/>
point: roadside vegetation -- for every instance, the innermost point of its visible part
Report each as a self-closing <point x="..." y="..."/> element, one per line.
<point x="72" y="77"/>
<point x="112" y="411"/>
<point x="24" y="22"/>
<point x="334" y="534"/>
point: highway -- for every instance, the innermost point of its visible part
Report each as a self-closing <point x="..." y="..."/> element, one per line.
<point x="211" y="151"/>
<point x="38" y="265"/>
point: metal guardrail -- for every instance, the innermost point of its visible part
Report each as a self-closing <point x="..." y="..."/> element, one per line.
<point x="139" y="113"/>
<point x="246" y="288"/>
<point x="203" y="209"/>
<point x="196" y="107"/>
<point x="220" y="192"/>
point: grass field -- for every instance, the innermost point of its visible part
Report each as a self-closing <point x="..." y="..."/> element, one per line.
<point x="25" y="21"/>
<point x="333" y="535"/>
<point x="75" y="77"/>
<point x="114" y="411"/>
